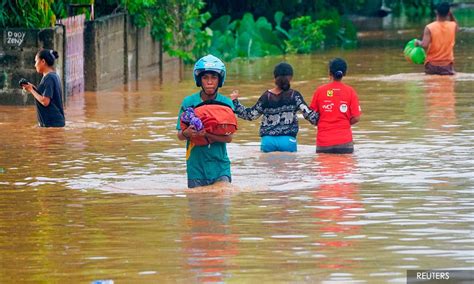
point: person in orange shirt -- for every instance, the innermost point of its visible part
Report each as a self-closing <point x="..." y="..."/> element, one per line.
<point x="438" y="41"/>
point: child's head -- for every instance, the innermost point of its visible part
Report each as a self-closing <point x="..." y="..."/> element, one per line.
<point x="337" y="68"/>
<point x="283" y="73"/>
<point x="209" y="65"/>
<point x="45" y="58"/>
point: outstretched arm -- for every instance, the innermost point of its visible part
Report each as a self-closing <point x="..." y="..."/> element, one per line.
<point x="310" y="115"/>
<point x="248" y="113"/>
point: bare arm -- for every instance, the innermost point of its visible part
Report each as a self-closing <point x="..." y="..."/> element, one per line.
<point x="40" y="98"/>
<point x="425" y="42"/>
<point x="188" y="133"/>
<point x="354" y="120"/>
<point x="181" y="136"/>
<point x="218" y="138"/>
<point x="453" y="19"/>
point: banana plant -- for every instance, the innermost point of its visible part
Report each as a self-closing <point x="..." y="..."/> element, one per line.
<point x="245" y="37"/>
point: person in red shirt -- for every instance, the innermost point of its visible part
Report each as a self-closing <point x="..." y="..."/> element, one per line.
<point x="338" y="107"/>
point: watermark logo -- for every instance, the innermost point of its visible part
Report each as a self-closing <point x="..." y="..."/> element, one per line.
<point x="440" y="276"/>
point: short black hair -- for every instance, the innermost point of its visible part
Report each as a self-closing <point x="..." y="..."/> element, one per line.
<point x="337" y="68"/>
<point x="443" y="9"/>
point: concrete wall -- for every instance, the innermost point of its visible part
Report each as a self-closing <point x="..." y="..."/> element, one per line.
<point x="104" y="52"/>
<point x="116" y="52"/>
<point x="143" y="53"/>
<point x="148" y="52"/>
<point x="18" y="61"/>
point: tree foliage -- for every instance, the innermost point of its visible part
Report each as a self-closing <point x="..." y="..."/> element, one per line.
<point x="291" y="8"/>
<point x="244" y="38"/>
<point x="177" y="24"/>
<point x="27" y="14"/>
<point x="251" y="38"/>
<point x="245" y="28"/>
<point x="36" y="14"/>
<point x="305" y="35"/>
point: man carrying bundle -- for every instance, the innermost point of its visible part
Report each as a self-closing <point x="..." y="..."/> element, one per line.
<point x="206" y="163"/>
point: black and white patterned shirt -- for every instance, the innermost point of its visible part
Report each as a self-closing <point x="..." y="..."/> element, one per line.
<point x="279" y="113"/>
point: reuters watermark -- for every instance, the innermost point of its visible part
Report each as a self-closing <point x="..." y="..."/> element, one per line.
<point x="440" y="276"/>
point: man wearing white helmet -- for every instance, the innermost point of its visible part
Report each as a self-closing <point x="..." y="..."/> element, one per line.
<point x="207" y="164"/>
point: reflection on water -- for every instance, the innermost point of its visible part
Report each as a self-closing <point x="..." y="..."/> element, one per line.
<point x="209" y="243"/>
<point x="335" y="203"/>
<point x="440" y="102"/>
<point x="106" y="197"/>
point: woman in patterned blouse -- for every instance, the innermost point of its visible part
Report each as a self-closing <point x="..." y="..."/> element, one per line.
<point x="278" y="106"/>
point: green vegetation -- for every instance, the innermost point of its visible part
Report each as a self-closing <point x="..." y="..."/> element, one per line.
<point x="305" y="35"/>
<point x="280" y="27"/>
<point x="244" y="38"/>
<point x="413" y="9"/>
<point x="177" y="24"/>
<point x="247" y="28"/>
<point x="27" y="14"/>
<point x="291" y="8"/>
<point x="465" y="17"/>
<point x="180" y="26"/>
<point x="250" y="38"/>
<point x="36" y="14"/>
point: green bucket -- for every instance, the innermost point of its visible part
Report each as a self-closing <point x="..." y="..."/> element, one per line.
<point x="414" y="53"/>
<point x="408" y="47"/>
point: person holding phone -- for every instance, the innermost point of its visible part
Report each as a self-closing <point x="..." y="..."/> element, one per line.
<point x="48" y="94"/>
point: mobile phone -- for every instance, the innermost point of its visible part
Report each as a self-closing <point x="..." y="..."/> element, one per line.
<point x="23" y="82"/>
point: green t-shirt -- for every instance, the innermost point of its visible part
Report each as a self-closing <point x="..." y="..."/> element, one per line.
<point x="210" y="161"/>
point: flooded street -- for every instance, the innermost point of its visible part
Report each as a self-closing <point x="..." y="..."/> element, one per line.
<point x="106" y="197"/>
